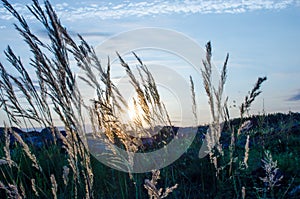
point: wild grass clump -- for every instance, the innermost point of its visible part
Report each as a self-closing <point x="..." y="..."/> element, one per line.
<point x="215" y="95"/>
<point x="232" y="166"/>
<point x="51" y="92"/>
<point x="273" y="177"/>
<point x="153" y="191"/>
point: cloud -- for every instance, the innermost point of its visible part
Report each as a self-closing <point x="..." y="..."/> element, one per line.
<point x="295" y="97"/>
<point x="102" y="10"/>
<point x="44" y="33"/>
<point x="95" y="34"/>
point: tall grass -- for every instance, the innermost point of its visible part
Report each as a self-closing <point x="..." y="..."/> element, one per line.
<point x="229" y="167"/>
<point x="57" y="86"/>
<point x="50" y="89"/>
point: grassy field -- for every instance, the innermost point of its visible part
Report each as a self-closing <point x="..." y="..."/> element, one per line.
<point x="248" y="157"/>
<point x="196" y="178"/>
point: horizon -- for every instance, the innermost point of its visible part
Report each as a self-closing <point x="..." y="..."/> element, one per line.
<point x="89" y="128"/>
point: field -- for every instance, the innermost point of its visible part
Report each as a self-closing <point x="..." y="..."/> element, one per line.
<point x="196" y="178"/>
<point x="253" y="156"/>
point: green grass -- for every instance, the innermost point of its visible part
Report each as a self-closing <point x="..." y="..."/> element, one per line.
<point x="196" y="177"/>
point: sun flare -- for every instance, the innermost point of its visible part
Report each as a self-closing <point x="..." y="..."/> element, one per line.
<point x="134" y="110"/>
<point x="132" y="113"/>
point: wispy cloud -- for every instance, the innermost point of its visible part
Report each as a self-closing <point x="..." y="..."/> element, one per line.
<point x="44" y="33"/>
<point x="107" y="10"/>
<point x="295" y="97"/>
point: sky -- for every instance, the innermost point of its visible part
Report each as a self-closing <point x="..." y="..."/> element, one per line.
<point x="261" y="37"/>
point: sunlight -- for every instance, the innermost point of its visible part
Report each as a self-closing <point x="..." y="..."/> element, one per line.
<point x="131" y="111"/>
<point x="135" y="113"/>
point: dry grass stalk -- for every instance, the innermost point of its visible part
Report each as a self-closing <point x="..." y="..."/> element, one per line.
<point x="215" y="101"/>
<point x="7" y="159"/>
<point x="153" y="192"/>
<point x="273" y="177"/>
<point x="243" y="192"/>
<point x="246" y="125"/>
<point x="7" y="91"/>
<point x="140" y="93"/>
<point x="251" y="96"/>
<point x="53" y="186"/>
<point x="246" y="156"/>
<point x="194" y="105"/>
<point x="22" y="191"/>
<point x="3" y="161"/>
<point x="153" y="109"/>
<point x="33" y="186"/>
<point x="27" y="151"/>
<point x="66" y="172"/>
<point x="108" y="105"/>
<point x="11" y="191"/>
<point x="56" y="84"/>
<point x="158" y="111"/>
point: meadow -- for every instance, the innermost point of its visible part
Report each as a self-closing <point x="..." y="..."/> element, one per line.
<point x="253" y="156"/>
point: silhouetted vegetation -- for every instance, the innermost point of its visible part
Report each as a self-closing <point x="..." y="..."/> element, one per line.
<point x="248" y="157"/>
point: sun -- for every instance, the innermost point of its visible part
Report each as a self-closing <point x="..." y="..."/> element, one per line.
<point x="132" y="113"/>
<point x="134" y="110"/>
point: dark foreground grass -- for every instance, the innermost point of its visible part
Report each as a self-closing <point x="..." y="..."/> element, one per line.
<point x="197" y="177"/>
<point x="279" y="133"/>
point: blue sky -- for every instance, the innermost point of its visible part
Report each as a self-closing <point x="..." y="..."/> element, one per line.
<point x="262" y="38"/>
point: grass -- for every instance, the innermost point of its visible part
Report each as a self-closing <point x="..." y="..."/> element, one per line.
<point x="249" y="157"/>
<point x="195" y="177"/>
